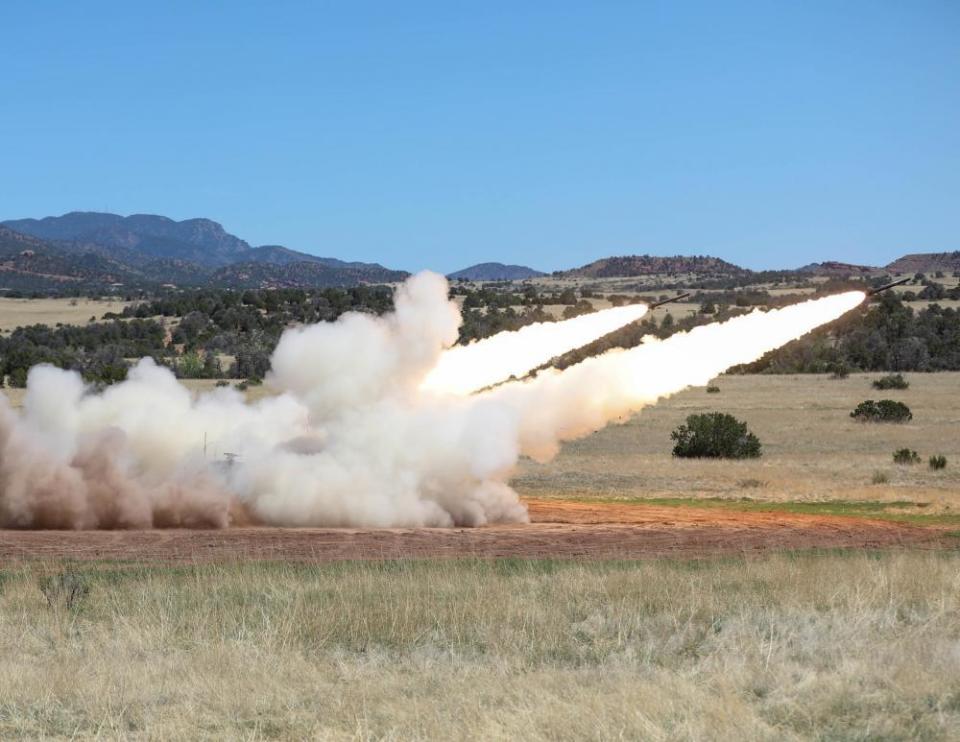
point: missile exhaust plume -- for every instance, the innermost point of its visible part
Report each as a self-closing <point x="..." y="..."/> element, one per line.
<point x="350" y="437"/>
<point x="468" y="368"/>
<point x="557" y="406"/>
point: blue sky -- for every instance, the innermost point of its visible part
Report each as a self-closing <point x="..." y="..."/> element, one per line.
<point x="422" y="134"/>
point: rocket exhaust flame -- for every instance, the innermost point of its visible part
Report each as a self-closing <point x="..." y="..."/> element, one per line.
<point x="469" y="368"/>
<point x="356" y="435"/>
<point x="563" y="405"/>
<point x="513" y="354"/>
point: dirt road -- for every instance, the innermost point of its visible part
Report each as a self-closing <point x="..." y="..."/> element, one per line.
<point x="558" y="529"/>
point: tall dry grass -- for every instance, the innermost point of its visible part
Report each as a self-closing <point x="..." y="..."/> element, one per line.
<point x="854" y="646"/>
<point x="812" y="449"/>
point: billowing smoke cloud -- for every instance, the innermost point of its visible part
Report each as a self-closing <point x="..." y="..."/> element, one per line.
<point x="90" y="484"/>
<point x="354" y="436"/>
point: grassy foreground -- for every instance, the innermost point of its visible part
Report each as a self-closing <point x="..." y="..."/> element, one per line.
<point x="855" y="646"/>
<point x="898" y="511"/>
<point x="813" y="451"/>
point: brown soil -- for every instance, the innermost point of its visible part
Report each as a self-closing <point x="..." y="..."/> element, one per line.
<point x="558" y="529"/>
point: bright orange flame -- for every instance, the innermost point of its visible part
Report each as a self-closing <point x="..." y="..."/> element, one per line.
<point x="467" y="368"/>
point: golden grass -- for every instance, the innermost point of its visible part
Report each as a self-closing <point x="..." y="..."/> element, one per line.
<point x="16" y="313"/>
<point x="852" y="646"/>
<point x="812" y="449"/>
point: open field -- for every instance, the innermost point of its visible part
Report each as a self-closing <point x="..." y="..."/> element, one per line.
<point x="620" y="494"/>
<point x="812" y="449"/>
<point x="815" y="646"/>
<point x="813" y="593"/>
<point x="16" y="313"/>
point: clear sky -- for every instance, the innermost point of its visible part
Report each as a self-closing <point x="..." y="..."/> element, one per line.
<point x="441" y="134"/>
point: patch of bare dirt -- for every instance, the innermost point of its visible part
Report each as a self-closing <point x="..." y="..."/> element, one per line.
<point x="558" y="529"/>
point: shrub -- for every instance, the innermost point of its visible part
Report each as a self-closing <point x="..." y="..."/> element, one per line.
<point x="891" y="381"/>
<point x="250" y="363"/>
<point x="713" y="389"/>
<point x="938" y="462"/>
<point x="880" y="477"/>
<point x="190" y="366"/>
<point x="840" y="371"/>
<point x="715" y="435"/>
<point x="18" y="378"/>
<point x="884" y="411"/>
<point x="65" y="590"/>
<point x="905" y="456"/>
<point x="575" y="310"/>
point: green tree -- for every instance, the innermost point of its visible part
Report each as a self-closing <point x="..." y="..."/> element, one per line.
<point x="18" y="378"/>
<point x="715" y="435"/>
<point x="190" y="365"/>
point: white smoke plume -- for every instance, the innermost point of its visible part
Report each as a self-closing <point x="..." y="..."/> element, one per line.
<point x="351" y="437"/>
<point x="469" y="368"/>
<point x="562" y="405"/>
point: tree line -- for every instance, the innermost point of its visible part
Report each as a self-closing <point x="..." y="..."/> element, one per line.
<point x="188" y="331"/>
<point x="191" y="331"/>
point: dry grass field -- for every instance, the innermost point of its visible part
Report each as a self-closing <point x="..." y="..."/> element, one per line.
<point x="812" y="449"/>
<point x="16" y="313"/>
<point x="854" y="646"/>
<point x="741" y="640"/>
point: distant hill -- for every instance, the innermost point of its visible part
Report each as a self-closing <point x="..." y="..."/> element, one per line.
<point x="12" y="242"/>
<point x="643" y="265"/>
<point x="926" y="262"/>
<point x="835" y="269"/>
<point x="305" y="274"/>
<point x="200" y="241"/>
<point x="28" y="263"/>
<point x="495" y="272"/>
<point x="277" y="255"/>
<point x="150" y="249"/>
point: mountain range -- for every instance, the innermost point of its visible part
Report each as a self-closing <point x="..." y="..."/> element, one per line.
<point x="92" y="247"/>
<point x="85" y="250"/>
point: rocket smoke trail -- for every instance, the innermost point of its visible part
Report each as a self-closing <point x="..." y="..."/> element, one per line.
<point x="468" y="368"/>
<point x="563" y="405"/>
<point x="361" y="432"/>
